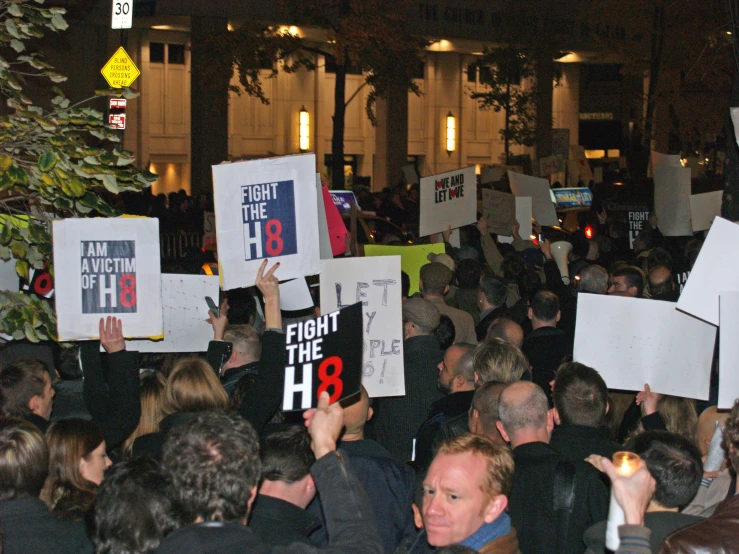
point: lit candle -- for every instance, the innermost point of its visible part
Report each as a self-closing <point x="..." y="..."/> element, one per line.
<point x="625" y="464"/>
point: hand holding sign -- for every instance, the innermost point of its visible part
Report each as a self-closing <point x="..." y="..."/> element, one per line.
<point x="269" y="286"/>
<point x="111" y="334"/>
<point x="324" y="424"/>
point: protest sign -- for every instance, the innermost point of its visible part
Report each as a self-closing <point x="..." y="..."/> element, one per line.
<point x="672" y="200"/>
<point x="324" y="241"/>
<point x="633" y="341"/>
<point x="412" y="258"/>
<point x="523" y="216"/>
<point x="578" y="172"/>
<point x="704" y="208"/>
<point x="550" y="165"/>
<point x="728" y="361"/>
<point x="499" y="208"/>
<point x="323" y="354"/>
<point x="410" y="173"/>
<point x="735" y="122"/>
<point x="295" y="295"/>
<point x="375" y="283"/>
<point x="337" y="231"/>
<point x="260" y="207"/>
<point x="637" y="219"/>
<point x="209" y="228"/>
<point x="448" y="199"/>
<point x="107" y="266"/>
<point x="541" y="197"/>
<point x="716" y="269"/>
<point x="491" y="174"/>
<point x="185" y="312"/>
<point x="561" y="144"/>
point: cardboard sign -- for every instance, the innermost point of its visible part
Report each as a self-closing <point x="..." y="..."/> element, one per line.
<point x="491" y="174"/>
<point x="376" y="284"/>
<point x="633" y="341"/>
<point x="728" y="361"/>
<point x="523" y="216"/>
<point x="704" y="208"/>
<point x="541" y="198"/>
<point x="185" y="312"/>
<point x="550" y="165"/>
<point x="324" y="240"/>
<point x="561" y="143"/>
<point x="107" y="266"/>
<point x="295" y="295"/>
<point x="410" y="174"/>
<point x="499" y="208"/>
<point x="715" y="270"/>
<point x="412" y="258"/>
<point x="209" y="228"/>
<point x="579" y="172"/>
<point x="266" y="209"/>
<point x="323" y="354"/>
<point x="448" y="199"/>
<point x="672" y="200"/>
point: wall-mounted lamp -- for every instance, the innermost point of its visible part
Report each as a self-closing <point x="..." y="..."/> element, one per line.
<point x="304" y="130"/>
<point x="451" y="133"/>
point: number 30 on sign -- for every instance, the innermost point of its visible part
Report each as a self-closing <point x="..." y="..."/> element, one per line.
<point x="122" y="14"/>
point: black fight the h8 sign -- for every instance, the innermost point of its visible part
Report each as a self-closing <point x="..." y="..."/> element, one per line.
<point x="324" y="354"/>
<point x="108" y="276"/>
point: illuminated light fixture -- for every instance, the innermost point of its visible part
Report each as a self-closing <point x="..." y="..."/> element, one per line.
<point x="304" y="132"/>
<point x="569" y="57"/>
<point x="728" y="32"/>
<point x="588" y="232"/>
<point x="451" y="133"/>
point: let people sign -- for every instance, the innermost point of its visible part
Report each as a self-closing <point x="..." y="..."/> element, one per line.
<point x="323" y="354"/>
<point x="266" y="209"/>
<point x="107" y="266"/>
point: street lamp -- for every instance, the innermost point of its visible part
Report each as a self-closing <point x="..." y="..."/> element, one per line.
<point x="304" y="130"/>
<point x="451" y="133"/>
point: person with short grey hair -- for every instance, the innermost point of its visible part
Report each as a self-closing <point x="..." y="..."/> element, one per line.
<point x="594" y="279"/>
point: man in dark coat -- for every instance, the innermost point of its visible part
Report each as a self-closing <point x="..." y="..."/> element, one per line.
<point x="491" y="298"/>
<point x="399" y="417"/>
<point x="546" y="346"/>
<point x="527" y="423"/>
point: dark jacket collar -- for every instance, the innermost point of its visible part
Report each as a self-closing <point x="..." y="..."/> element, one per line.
<point x="366" y="447"/>
<point x="545" y="332"/>
<point x="38" y="421"/>
<point x="583" y="431"/>
<point x="531" y="450"/>
<point x="235" y="373"/>
<point x="23" y="506"/>
<point x="420" y="343"/>
<point x="269" y="507"/>
<point x="454" y="403"/>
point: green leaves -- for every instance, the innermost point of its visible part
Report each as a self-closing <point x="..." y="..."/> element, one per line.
<point x="47" y="161"/>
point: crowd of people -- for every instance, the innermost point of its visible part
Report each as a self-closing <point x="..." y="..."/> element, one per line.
<point x="501" y="444"/>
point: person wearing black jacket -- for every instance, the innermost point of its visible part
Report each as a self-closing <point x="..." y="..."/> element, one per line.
<point x="263" y="399"/>
<point x="26" y="392"/>
<point x="111" y="386"/>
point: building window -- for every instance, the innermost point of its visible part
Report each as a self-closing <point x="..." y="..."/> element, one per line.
<point x="176" y="54"/>
<point x="601" y="73"/>
<point x="486" y="75"/>
<point x="472" y="73"/>
<point x="156" y="52"/>
<point x="419" y="73"/>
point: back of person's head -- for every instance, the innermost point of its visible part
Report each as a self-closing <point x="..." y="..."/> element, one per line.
<point x="594" y="279"/>
<point x="241" y="390"/>
<point x="20" y="381"/>
<point x="67" y="490"/>
<point x="133" y="508"/>
<point x="435" y="278"/>
<point x="445" y="333"/>
<point x="357" y="411"/>
<point x="513" y="268"/>
<point x="545" y="306"/>
<point x="245" y="341"/>
<point x="24" y="459"/>
<point x="242" y="307"/>
<point x="485" y="402"/>
<point x="422" y="314"/>
<point x="522" y="406"/>
<point x="498" y="459"/>
<point x="286" y="455"/>
<point x="633" y="277"/>
<point x="659" y="257"/>
<point x="661" y="283"/>
<point x="528" y="284"/>
<point x="679" y="415"/>
<point x="731" y="436"/>
<point x="468" y="274"/>
<point x="465" y="366"/>
<point x="494" y="289"/>
<point x="192" y="386"/>
<point x="213" y="461"/>
<point x="152" y="385"/>
<point x="506" y="329"/>
<point x="67" y="363"/>
<point x="580" y="243"/>
<point x="674" y="462"/>
<point x="498" y="360"/>
<point x="644" y="240"/>
<point x="405" y="284"/>
<point x="580" y="395"/>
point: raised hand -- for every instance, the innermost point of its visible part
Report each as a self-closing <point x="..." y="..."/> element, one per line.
<point x="111" y="334"/>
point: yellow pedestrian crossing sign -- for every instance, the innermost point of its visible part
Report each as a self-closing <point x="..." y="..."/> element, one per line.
<point x="120" y="71"/>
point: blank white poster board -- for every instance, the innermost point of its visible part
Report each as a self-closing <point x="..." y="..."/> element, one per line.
<point x="704" y="208"/>
<point x="185" y="313"/>
<point x="376" y="283"/>
<point x="716" y="269"/>
<point x="541" y="199"/>
<point x="266" y="209"/>
<point x="448" y="199"/>
<point x="672" y="200"/>
<point x="107" y="266"/>
<point x="295" y="295"/>
<point x="633" y="341"/>
<point x="523" y="216"/>
<point x="728" y="360"/>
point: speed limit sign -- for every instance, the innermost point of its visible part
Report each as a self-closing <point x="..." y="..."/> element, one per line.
<point x="122" y="14"/>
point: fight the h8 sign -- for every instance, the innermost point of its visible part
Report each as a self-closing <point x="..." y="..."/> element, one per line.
<point x="108" y="275"/>
<point x="266" y="209"/>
